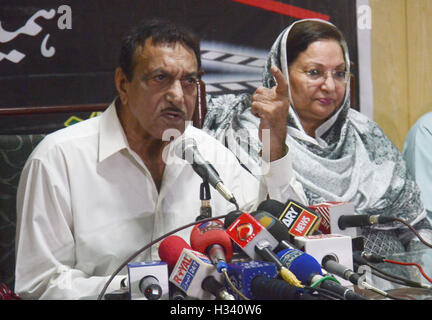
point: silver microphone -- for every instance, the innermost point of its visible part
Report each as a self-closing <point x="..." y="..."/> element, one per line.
<point x="187" y="150"/>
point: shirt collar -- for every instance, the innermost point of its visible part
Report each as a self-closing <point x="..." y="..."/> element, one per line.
<point x="112" y="138"/>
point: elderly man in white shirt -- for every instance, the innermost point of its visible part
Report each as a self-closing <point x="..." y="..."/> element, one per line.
<point x="92" y="194"/>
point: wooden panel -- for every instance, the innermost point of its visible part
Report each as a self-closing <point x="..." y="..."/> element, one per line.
<point x="419" y="33"/>
<point x="389" y="68"/>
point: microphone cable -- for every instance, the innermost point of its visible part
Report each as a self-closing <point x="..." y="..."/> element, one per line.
<point x="139" y="251"/>
<point x="330" y="295"/>
<point x="232" y="286"/>
<point x="386" y="275"/>
<point x="369" y="220"/>
<point x="410" y="264"/>
<point x="325" y="292"/>
<point x="413" y="230"/>
<point x="395" y="279"/>
<point x="366" y="258"/>
<point x="390" y="277"/>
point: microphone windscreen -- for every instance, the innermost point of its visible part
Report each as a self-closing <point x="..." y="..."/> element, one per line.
<point x="231" y="217"/>
<point x="299" y="263"/>
<point x="170" y="250"/>
<point x="271" y="206"/>
<point x="210" y="233"/>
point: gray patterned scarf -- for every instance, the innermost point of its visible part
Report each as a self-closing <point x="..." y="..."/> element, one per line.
<point x="350" y="160"/>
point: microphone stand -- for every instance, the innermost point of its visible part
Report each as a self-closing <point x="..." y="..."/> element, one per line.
<point x="205" y="196"/>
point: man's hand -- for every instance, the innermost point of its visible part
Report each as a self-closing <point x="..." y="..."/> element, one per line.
<point x="271" y="106"/>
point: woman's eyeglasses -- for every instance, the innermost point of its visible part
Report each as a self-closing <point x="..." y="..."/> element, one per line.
<point x="317" y="76"/>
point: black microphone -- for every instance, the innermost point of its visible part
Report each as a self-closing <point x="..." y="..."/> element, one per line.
<point x="205" y="210"/>
<point x="362" y="220"/>
<point x="264" y="288"/>
<point x="362" y="257"/>
<point x="188" y="151"/>
<point x="331" y="265"/>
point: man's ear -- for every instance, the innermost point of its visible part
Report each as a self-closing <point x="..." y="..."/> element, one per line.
<point x="121" y="83"/>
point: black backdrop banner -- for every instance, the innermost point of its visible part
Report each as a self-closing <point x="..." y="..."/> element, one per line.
<point x="56" y="53"/>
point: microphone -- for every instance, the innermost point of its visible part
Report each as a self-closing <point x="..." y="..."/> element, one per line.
<point x="276" y="228"/>
<point x="319" y="246"/>
<point x="330" y="213"/>
<point x="308" y="270"/>
<point x="264" y="288"/>
<point x="300" y="263"/>
<point x="211" y="239"/>
<point x="257" y="242"/>
<point x="192" y="272"/>
<point x="197" y="276"/>
<point x="362" y="257"/>
<point x="256" y="280"/>
<point x="338" y="245"/>
<point x="170" y="250"/>
<point x="247" y="232"/>
<point x="362" y="220"/>
<point x="340" y="218"/>
<point x="332" y="266"/>
<point x="150" y="287"/>
<point x="299" y="219"/>
<point x="215" y="287"/>
<point x="148" y="280"/>
<point x="205" y="209"/>
<point x="188" y="151"/>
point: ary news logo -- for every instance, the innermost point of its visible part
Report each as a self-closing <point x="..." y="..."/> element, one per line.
<point x="31" y="28"/>
<point x="298" y="220"/>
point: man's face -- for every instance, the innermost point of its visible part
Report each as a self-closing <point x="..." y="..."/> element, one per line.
<point x="162" y="92"/>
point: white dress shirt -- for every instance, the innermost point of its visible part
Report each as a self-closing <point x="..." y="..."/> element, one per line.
<point x="86" y="202"/>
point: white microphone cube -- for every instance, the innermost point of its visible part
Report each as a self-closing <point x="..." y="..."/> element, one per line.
<point x="335" y="245"/>
<point x="137" y="271"/>
<point x="330" y="213"/>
